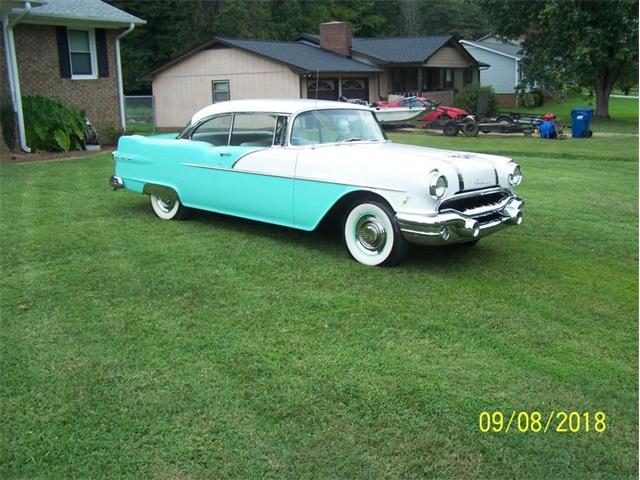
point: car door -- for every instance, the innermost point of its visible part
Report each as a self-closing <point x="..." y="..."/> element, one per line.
<point x="248" y="175"/>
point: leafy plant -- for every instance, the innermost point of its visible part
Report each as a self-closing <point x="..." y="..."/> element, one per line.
<point x="51" y="126"/>
<point x="8" y="122"/>
<point x="109" y="133"/>
<point x="467" y="98"/>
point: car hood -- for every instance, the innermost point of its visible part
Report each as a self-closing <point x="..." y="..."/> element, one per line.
<point x="399" y="165"/>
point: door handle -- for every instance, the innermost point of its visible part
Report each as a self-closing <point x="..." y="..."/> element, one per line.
<point x="224" y="154"/>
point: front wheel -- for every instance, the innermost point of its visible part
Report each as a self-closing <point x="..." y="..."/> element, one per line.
<point x="372" y="235"/>
<point x="168" y="207"/>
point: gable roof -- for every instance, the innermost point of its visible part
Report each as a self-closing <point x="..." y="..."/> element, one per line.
<point x="506" y="49"/>
<point x="392" y="49"/>
<point x="299" y="56"/>
<point x="400" y="49"/>
<point x="80" y="11"/>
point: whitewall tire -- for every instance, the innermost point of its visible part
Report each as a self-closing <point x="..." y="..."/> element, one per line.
<point x="371" y="234"/>
<point x="167" y="208"/>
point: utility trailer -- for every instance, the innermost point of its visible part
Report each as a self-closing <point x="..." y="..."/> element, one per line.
<point x="504" y="122"/>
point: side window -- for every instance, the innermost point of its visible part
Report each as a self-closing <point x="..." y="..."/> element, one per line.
<point x="280" y="136"/>
<point x="220" y="91"/>
<point x="253" y="129"/>
<point x="214" y="131"/>
<point x="82" y="54"/>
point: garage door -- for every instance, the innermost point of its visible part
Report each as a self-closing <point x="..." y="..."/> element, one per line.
<point x="355" y="88"/>
<point x="327" y="89"/>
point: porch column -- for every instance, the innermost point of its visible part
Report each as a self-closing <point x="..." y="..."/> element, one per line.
<point x="419" y="81"/>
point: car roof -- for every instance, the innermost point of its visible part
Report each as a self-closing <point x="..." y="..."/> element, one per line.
<point x="285" y="105"/>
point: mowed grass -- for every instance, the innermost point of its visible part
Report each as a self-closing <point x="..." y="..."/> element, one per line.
<point x="223" y="348"/>
<point x="623" y="113"/>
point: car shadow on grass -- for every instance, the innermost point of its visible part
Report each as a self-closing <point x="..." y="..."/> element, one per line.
<point x="326" y="241"/>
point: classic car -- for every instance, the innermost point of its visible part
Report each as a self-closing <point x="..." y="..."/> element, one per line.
<point x="294" y="162"/>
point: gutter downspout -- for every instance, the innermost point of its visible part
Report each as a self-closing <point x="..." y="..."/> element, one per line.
<point x="123" y="122"/>
<point x="517" y="72"/>
<point x="12" y="67"/>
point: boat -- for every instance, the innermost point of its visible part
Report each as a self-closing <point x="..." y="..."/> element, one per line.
<point x="399" y="116"/>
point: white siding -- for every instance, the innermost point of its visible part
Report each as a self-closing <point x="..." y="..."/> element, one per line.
<point x="185" y="87"/>
<point x="502" y="73"/>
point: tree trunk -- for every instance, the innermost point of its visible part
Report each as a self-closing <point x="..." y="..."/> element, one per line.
<point x="602" y="100"/>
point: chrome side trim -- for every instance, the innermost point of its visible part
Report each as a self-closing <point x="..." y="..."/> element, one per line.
<point x="308" y="179"/>
<point x="248" y="153"/>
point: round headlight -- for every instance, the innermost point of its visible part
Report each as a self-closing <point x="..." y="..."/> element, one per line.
<point x="515" y="177"/>
<point x="437" y="185"/>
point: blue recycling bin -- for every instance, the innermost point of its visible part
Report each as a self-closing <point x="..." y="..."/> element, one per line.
<point x="580" y="120"/>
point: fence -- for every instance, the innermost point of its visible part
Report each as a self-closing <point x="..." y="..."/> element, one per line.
<point x="139" y="111"/>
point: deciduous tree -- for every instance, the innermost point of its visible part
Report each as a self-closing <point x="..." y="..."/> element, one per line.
<point x="588" y="43"/>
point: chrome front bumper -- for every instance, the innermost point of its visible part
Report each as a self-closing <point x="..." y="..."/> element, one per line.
<point x="116" y="182"/>
<point x="452" y="226"/>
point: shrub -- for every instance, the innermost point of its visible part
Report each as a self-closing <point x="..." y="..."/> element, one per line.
<point x="52" y="127"/>
<point x="109" y="133"/>
<point x="540" y="94"/>
<point x="8" y="122"/>
<point x="467" y="98"/>
<point x="529" y="100"/>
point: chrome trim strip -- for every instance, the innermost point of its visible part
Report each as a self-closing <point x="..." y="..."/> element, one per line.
<point x="248" y="153"/>
<point x="460" y="179"/>
<point x="308" y="179"/>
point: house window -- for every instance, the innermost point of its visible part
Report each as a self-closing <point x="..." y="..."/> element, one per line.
<point x="448" y="77"/>
<point x="324" y="85"/>
<point x="220" y="91"/>
<point x="82" y="54"/>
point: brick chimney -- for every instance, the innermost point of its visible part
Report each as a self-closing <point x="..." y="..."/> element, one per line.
<point x="336" y="36"/>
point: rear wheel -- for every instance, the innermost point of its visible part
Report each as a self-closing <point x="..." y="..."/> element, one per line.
<point x="470" y="129"/>
<point x="450" y="129"/>
<point x="168" y="207"/>
<point x="372" y="235"/>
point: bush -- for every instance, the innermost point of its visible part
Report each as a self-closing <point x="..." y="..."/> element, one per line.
<point x="8" y="122"/>
<point x="52" y="127"/>
<point x="467" y="98"/>
<point x="109" y="133"/>
<point x="540" y="96"/>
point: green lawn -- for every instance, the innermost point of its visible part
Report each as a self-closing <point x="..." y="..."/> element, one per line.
<point x="223" y="348"/>
<point x="623" y="112"/>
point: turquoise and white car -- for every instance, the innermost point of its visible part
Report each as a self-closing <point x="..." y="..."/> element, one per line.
<point x="297" y="162"/>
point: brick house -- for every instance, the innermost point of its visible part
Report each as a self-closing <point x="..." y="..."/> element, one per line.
<point x="65" y="49"/>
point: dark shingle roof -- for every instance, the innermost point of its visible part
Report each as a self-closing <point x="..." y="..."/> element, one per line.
<point x="301" y="56"/>
<point x="85" y="10"/>
<point x="297" y="55"/>
<point x="392" y="49"/>
<point x="400" y="49"/>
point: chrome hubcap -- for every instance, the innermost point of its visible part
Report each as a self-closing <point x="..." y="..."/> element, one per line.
<point x="370" y="233"/>
<point x="165" y="204"/>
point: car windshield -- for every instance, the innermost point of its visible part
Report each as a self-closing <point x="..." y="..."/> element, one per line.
<point x="335" y="126"/>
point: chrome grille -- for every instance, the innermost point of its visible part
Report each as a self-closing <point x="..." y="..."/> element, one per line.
<point x="477" y="203"/>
